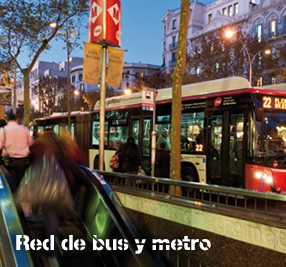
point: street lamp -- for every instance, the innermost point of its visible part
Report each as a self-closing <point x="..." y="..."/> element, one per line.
<point x="76" y="92"/>
<point x="69" y="32"/>
<point x="230" y="34"/>
<point x="127" y="91"/>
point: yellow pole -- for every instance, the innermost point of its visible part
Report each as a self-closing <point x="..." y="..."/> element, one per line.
<point x="2" y="112"/>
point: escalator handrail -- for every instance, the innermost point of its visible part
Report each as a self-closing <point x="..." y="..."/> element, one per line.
<point x="123" y="222"/>
<point x="12" y="225"/>
<point x="125" y="226"/>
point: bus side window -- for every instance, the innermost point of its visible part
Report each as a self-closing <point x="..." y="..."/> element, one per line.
<point x="117" y="134"/>
<point x="95" y="133"/>
<point x="192" y="139"/>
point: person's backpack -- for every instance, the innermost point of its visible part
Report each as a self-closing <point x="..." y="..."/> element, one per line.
<point x="114" y="162"/>
<point x="131" y="152"/>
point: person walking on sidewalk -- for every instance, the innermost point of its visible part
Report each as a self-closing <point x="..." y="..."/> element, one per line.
<point x="15" y="141"/>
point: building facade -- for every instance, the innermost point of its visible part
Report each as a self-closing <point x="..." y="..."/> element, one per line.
<point x="262" y="19"/>
<point x="48" y="81"/>
<point x="132" y="72"/>
<point x="44" y="95"/>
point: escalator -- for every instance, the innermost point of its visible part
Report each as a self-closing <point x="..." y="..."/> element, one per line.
<point x="97" y="218"/>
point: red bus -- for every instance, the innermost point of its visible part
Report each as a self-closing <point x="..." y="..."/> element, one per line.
<point x="231" y="133"/>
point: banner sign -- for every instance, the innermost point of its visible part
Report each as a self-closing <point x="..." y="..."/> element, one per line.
<point x="147" y="99"/>
<point x="105" y="22"/>
<point x="115" y="67"/>
<point x="91" y="63"/>
<point x="5" y="96"/>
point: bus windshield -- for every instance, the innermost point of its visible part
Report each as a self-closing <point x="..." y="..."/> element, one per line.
<point x="269" y="139"/>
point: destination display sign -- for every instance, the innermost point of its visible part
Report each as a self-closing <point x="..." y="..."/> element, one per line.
<point x="274" y="102"/>
<point x="226" y="101"/>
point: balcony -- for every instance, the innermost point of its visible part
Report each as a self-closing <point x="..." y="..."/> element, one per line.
<point x="273" y="35"/>
<point x="173" y="46"/>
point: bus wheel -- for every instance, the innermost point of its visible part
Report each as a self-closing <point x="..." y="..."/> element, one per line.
<point x="189" y="173"/>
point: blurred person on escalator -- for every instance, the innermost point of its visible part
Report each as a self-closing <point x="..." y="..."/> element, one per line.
<point x="45" y="184"/>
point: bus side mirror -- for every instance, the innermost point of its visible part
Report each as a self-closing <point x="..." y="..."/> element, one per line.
<point x="259" y="114"/>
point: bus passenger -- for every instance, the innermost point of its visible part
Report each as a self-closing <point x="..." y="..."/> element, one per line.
<point x="163" y="138"/>
<point x="131" y="161"/>
<point x="118" y="146"/>
<point x="162" y="166"/>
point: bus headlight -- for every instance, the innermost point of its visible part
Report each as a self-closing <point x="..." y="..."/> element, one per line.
<point x="264" y="175"/>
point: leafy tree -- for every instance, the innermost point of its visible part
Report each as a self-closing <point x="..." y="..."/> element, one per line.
<point x="275" y="64"/>
<point x="91" y="98"/>
<point x="177" y="77"/>
<point x="47" y="89"/>
<point x="216" y="57"/>
<point x="160" y="80"/>
<point x="25" y="28"/>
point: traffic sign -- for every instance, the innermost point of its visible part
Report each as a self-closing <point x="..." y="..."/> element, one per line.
<point x="147" y="99"/>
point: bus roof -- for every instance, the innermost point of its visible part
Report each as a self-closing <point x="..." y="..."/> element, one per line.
<point x="63" y="114"/>
<point x="279" y="86"/>
<point x="194" y="89"/>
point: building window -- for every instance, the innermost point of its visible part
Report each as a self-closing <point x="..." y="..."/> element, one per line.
<point x="259" y="32"/>
<point x="80" y="77"/>
<point x="273" y="52"/>
<point x="259" y="81"/>
<point x="212" y="47"/>
<point x="230" y="10"/>
<point x="210" y="17"/>
<point x="82" y="87"/>
<point x="174" y="24"/>
<point x="273" y="27"/>
<point x="173" y="40"/>
<point x="217" y="67"/>
<point x="173" y="57"/>
<point x="236" y="8"/>
<point x="73" y="79"/>
<point x="224" y="13"/>
<point x="164" y="29"/>
<point x="164" y="46"/>
<point x="198" y="71"/>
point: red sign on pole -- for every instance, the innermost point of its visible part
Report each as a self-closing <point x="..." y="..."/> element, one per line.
<point x="105" y="22"/>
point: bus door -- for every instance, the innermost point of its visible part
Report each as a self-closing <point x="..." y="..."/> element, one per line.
<point x="225" y="148"/>
<point x="141" y="131"/>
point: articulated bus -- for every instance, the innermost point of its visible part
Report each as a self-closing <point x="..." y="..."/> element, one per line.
<point x="226" y="132"/>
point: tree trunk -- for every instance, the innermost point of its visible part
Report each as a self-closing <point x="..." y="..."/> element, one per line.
<point x="177" y="76"/>
<point x="27" y="107"/>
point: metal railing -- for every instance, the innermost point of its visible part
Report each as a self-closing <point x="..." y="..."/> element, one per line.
<point x="205" y="196"/>
<point x="173" y="45"/>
